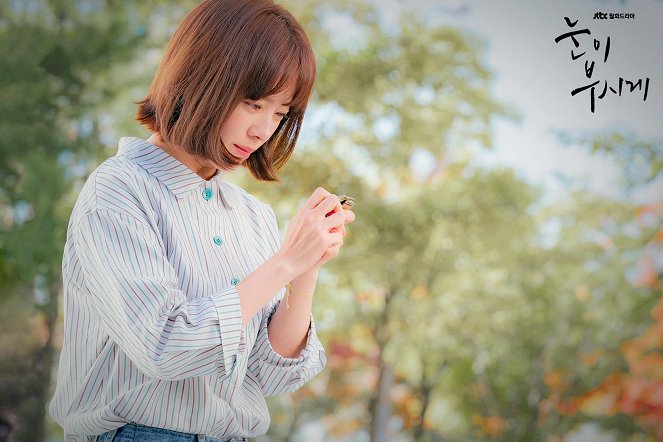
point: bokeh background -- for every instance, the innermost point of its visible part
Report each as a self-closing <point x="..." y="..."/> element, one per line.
<point x="502" y="281"/>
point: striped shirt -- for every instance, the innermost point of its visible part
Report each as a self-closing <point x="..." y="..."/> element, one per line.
<point x="152" y="322"/>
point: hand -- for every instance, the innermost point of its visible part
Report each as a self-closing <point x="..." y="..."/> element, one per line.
<point x="333" y="250"/>
<point x="315" y="233"/>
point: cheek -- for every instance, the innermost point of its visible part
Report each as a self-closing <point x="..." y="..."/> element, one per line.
<point x="231" y="126"/>
<point x="276" y="127"/>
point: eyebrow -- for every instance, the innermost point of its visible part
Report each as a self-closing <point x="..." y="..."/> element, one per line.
<point x="287" y="104"/>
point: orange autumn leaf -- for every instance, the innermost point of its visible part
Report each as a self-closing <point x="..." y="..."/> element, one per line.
<point x="652" y="338"/>
<point x="493" y="425"/>
<point x="342" y="350"/>
<point x="637" y="391"/>
<point x="555" y="380"/>
<point x="603" y="400"/>
<point x="407" y="406"/>
<point x="648" y="275"/>
<point x="647" y="366"/>
<point x="642" y="397"/>
<point x="599" y="403"/>
<point x="591" y="358"/>
<point x="658" y="237"/>
<point x="654" y="208"/>
<point x="568" y="406"/>
<point x="632" y="349"/>
<point x="657" y="312"/>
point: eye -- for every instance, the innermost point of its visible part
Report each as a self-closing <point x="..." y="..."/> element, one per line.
<point x="282" y="115"/>
<point x="253" y="105"/>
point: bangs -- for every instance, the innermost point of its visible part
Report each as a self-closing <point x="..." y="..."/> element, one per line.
<point x="281" y="63"/>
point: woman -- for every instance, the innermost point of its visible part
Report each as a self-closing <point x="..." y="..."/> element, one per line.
<point x="182" y="312"/>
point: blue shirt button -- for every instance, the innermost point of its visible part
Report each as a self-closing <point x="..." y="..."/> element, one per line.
<point x="234" y="281"/>
<point x="207" y="194"/>
<point x="218" y="241"/>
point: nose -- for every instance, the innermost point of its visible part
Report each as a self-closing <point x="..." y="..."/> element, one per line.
<point x="260" y="129"/>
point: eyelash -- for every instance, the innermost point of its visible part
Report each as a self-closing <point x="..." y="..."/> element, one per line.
<point x="256" y="106"/>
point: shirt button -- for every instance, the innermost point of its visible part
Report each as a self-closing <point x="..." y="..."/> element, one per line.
<point x="218" y="241"/>
<point x="207" y="194"/>
<point x="234" y="281"/>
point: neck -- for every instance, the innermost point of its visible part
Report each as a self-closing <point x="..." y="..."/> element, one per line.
<point x="200" y="167"/>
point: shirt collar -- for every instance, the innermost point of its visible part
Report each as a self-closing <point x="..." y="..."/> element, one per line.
<point x="179" y="179"/>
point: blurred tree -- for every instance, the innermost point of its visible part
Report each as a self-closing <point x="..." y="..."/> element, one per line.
<point x="57" y="56"/>
<point x="469" y="245"/>
<point x="641" y="160"/>
<point x="581" y="305"/>
<point x="633" y="385"/>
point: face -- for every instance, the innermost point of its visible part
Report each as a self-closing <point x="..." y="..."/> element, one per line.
<point x="253" y="122"/>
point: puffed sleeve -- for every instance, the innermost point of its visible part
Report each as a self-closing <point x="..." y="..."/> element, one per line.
<point x="134" y="290"/>
<point x="278" y="374"/>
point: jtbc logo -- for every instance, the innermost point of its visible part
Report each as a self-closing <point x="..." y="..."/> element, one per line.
<point x="600" y="16"/>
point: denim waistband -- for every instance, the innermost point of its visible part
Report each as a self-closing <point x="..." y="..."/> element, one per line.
<point x="143" y="433"/>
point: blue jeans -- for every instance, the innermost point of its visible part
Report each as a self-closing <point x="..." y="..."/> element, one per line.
<point x="141" y="433"/>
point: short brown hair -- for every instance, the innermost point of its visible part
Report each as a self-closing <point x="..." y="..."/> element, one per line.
<point x="223" y="52"/>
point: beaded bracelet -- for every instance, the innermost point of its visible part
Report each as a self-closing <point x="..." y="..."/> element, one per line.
<point x="290" y="290"/>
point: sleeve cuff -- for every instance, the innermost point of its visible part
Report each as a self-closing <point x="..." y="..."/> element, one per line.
<point x="229" y="312"/>
<point x="312" y="356"/>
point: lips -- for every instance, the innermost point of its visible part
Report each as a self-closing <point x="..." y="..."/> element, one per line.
<point x="243" y="150"/>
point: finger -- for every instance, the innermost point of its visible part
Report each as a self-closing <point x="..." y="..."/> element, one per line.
<point x="330" y="253"/>
<point x="335" y="220"/>
<point x="335" y="239"/>
<point x="334" y="249"/>
<point x="316" y="197"/>
<point x="339" y="229"/>
<point x="329" y="205"/>
<point x="349" y="216"/>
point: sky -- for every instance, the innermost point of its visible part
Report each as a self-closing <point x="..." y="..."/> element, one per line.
<point x="535" y="75"/>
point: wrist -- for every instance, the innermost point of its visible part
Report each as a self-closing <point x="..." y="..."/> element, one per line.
<point x="306" y="281"/>
<point x="285" y="266"/>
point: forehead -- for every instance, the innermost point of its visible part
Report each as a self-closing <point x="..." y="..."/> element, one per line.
<point x="283" y="98"/>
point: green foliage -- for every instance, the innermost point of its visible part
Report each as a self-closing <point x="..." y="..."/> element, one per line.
<point x="640" y="159"/>
<point x="52" y="51"/>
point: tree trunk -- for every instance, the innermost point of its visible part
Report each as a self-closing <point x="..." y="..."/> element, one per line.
<point x="381" y="404"/>
<point x="32" y="411"/>
<point x="428" y="383"/>
<point x="425" y="402"/>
